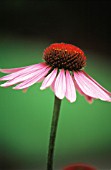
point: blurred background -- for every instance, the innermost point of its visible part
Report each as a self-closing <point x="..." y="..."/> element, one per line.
<point x="27" y="27"/>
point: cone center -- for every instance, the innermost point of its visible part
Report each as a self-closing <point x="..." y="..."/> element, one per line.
<point x="66" y="56"/>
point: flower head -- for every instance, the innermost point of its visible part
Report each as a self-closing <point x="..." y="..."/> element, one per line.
<point x="62" y="71"/>
<point x="79" y="166"/>
<point x="65" y="56"/>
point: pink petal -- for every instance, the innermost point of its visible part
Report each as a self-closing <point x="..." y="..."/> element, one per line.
<point x="41" y="73"/>
<point x="89" y="87"/>
<point x="11" y="70"/>
<point x="27" y="69"/>
<point x="70" y="88"/>
<point x="88" y="98"/>
<point x="49" y="79"/>
<point x="109" y="93"/>
<point x="60" y="85"/>
<point x="20" y="78"/>
<point x="52" y="85"/>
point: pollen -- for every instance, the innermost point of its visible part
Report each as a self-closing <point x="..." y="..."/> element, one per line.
<point x="64" y="56"/>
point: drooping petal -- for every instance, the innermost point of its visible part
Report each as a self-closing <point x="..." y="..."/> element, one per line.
<point x="41" y="73"/>
<point x="70" y="88"/>
<point x="109" y="93"/>
<point x="20" y="78"/>
<point x="88" y="98"/>
<point x="49" y="79"/>
<point x="27" y="69"/>
<point x="60" y="85"/>
<point x="89" y="87"/>
<point x="52" y="85"/>
<point x="11" y="70"/>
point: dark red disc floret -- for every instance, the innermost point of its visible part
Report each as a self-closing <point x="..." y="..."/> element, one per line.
<point x="66" y="56"/>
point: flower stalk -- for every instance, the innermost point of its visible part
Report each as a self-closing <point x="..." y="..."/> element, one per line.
<point x="54" y="124"/>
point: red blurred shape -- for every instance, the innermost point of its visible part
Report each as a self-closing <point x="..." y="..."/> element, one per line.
<point x="79" y="166"/>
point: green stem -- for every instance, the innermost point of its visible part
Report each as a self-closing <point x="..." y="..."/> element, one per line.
<point x="56" y="111"/>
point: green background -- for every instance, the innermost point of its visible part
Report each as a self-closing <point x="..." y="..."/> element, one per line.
<point x="84" y="131"/>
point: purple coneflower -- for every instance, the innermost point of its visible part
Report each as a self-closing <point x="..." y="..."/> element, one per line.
<point x="63" y="72"/>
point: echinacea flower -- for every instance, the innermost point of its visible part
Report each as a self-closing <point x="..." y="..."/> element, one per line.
<point x="62" y="71"/>
<point x="79" y="166"/>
